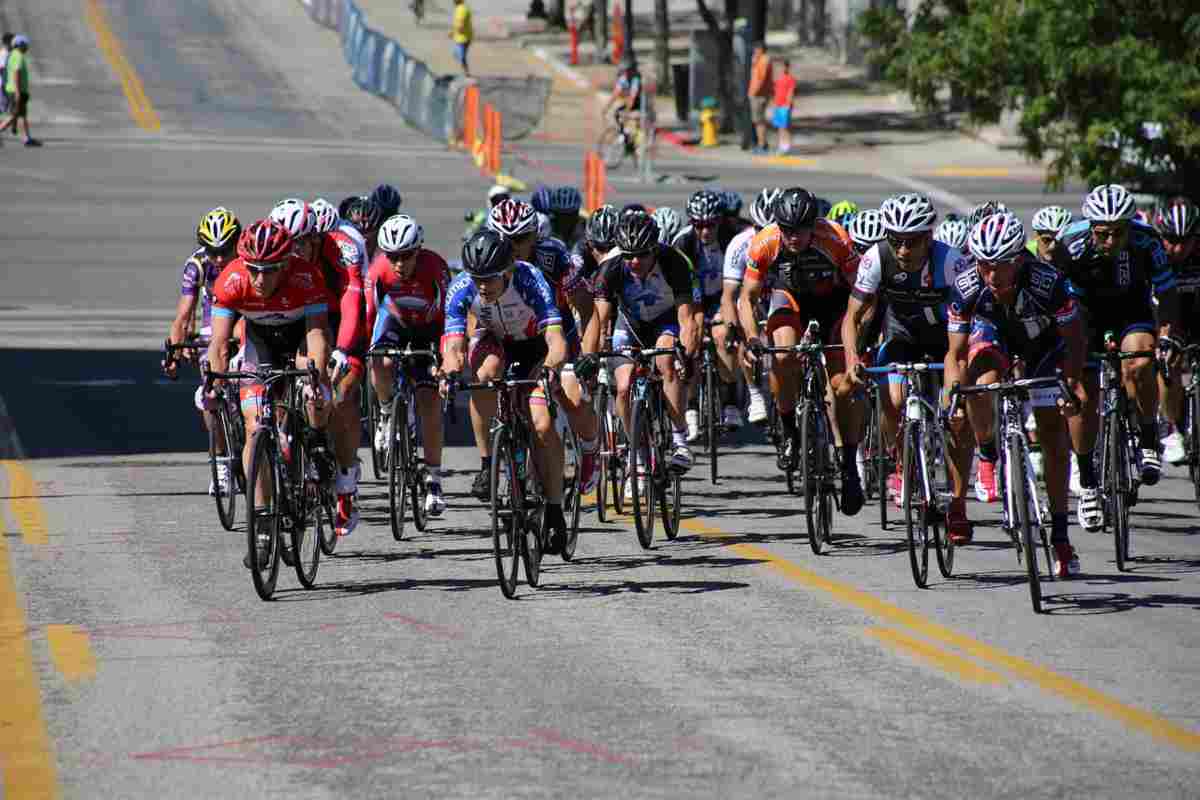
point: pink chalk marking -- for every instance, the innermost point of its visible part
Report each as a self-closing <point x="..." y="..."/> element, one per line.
<point x="579" y="746"/>
<point x="425" y="627"/>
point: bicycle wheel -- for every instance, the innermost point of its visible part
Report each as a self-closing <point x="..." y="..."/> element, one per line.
<point x="379" y="463"/>
<point x="572" y="502"/>
<point x="883" y="465"/>
<point x="306" y="548"/>
<point x="531" y="544"/>
<point x="1116" y="479"/>
<point x="869" y="479"/>
<point x="712" y="413"/>
<point x="1193" y="440"/>
<point x="812" y="474"/>
<point x="1015" y="466"/>
<point x="508" y="520"/>
<point x="670" y="497"/>
<point x="642" y="448"/>
<point x="611" y="147"/>
<point x="604" y="439"/>
<point x="397" y="461"/>
<point x="915" y="505"/>
<point x="618" y="461"/>
<point x="264" y="521"/>
<point x="219" y="438"/>
<point x="941" y="538"/>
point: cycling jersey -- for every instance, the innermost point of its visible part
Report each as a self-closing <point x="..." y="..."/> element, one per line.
<point x="524" y="311"/>
<point x="199" y="276"/>
<point x="647" y="305"/>
<point x="359" y="241"/>
<point x="630" y="85"/>
<point x="707" y="260"/>
<point x="1187" y="284"/>
<point x="338" y="258"/>
<point x="825" y="269"/>
<point x="275" y="325"/>
<point x="412" y="304"/>
<point x="915" y="301"/>
<point x="584" y="267"/>
<point x="735" y="256"/>
<point x="1029" y="327"/>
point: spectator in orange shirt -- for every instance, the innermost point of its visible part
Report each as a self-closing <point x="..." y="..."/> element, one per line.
<point x="759" y="93"/>
<point x="781" y="106"/>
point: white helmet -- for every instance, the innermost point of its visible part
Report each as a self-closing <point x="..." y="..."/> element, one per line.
<point x="908" y="213"/>
<point x="669" y="223"/>
<point x="953" y="231"/>
<point x="512" y="218"/>
<point x="866" y="228"/>
<point x="497" y="193"/>
<point x="1109" y="203"/>
<point x="400" y="233"/>
<point x="296" y="216"/>
<point x="1051" y="218"/>
<point x="761" y="209"/>
<point x="327" y="215"/>
<point x="997" y="237"/>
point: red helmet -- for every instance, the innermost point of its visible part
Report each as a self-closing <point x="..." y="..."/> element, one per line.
<point x="512" y="218"/>
<point x="265" y="242"/>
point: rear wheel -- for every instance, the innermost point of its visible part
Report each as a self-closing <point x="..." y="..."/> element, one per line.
<point x="916" y="507"/>
<point x="378" y="457"/>
<point x="397" y="460"/>
<point x="572" y="502"/>
<point x="508" y="521"/>
<point x="712" y="413"/>
<point x="264" y="521"/>
<point x="882" y="462"/>
<point x="941" y="539"/>
<point x="641" y="462"/>
<point x="604" y="437"/>
<point x="531" y="546"/>
<point x="306" y="548"/>
<point x="219" y="439"/>
<point x="1193" y="440"/>
<point x="812" y="474"/>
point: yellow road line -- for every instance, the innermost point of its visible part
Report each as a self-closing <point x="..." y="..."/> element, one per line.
<point x="27" y="767"/>
<point x="23" y="503"/>
<point x="949" y="662"/>
<point x="140" y="107"/>
<point x="71" y="652"/>
<point x="1051" y="682"/>
<point x="788" y="161"/>
<point x="972" y="172"/>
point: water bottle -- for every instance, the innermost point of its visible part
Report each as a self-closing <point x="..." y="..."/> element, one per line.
<point x="519" y="460"/>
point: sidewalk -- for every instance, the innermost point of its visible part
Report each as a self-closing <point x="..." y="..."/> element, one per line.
<point x="843" y="122"/>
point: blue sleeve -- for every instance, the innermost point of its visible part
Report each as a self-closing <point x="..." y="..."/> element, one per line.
<point x="459" y="298"/>
<point x="536" y="292"/>
<point x="1162" y="275"/>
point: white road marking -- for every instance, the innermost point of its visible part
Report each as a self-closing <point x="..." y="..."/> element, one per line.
<point x="941" y="196"/>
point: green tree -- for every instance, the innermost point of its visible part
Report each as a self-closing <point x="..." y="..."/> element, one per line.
<point x="1086" y="77"/>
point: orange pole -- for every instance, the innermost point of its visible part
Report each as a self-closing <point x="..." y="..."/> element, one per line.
<point x="601" y="181"/>
<point x="470" y="118"/>
<point x="489" y="134"/>
<point x="618" y="34"/>
<point x="574" y="44"/>
<point x="589" y="168"/>
<point x="498" y="129"/>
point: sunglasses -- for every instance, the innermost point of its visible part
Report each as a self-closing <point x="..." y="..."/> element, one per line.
<point x="910" y="241"/>
<point x="264" y="269"/>
<point x="402" y="257"/>
<point x="789" y="231"/>
<point x="220" y="252"/>
<point x="1108" y="234"/>
<point x="1046" y="238"/>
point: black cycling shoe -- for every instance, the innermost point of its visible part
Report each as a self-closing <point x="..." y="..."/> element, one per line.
<point x="852" y="494"/>
<point x="482" y="487"/>
<point x="556" y="530"/>
<point x="785" y="457"/>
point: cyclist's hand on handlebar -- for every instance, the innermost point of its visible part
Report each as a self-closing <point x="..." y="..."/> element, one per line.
<point x="1073" y="405"/>
<point x="753" y="351"/>
<point x="339" y="365"/>
<point x="854" y="371"/>
<point x="587" y="367"/>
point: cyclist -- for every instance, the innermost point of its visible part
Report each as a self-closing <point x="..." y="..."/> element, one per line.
<point x="627" y="97"/>
<point x="704" y="242"/>
<point x="1177" y="224"/>
<point x="731" y="207"/>
<point x="912" y="273"/>
<point x="284" y="301"/>
<point x="598" y="241"/>
<point x="517" y="322"/>
<point x="762" y="215"/>
<point x="866" y="230"/>
<point x="388" y="198"/>
<point x="364" y="216"/>
<point x="337" y="256"/>
<point x="561" y="204"/>
<point x="478" y="218"/>
<point x="513" y="219"/>
<point x="1010" y="305"/>
<point x="801" y="258"/>
<point x="406" y="296"/>
<point x="842" y="212"/>
<point x="670" y="224"/>
<point x="1116" y="266"/>
<point x="650" y="284"/>
<point x="984" y="209"/>
<point x="217" y="237"/>
<point x="1048" y="222"/>
<point x="953" y="232"/>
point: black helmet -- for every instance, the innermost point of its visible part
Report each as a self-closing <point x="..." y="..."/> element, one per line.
<point x="344" y="206"/>
<point x="705" y="206"/>
<point x="637" y="233"/>
<point x="486" y="254"/>
<point x="602" y="227"/>
<point x="387" y="197"/>
<point x="732" y="202"/>
<point x="364" y="214"/>
<point x="795" y="208"/>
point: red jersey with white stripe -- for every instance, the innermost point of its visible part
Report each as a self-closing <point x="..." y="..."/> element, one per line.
<point x="301" y="292"/>
<point x="416" y="302"/>
<point x="341" y="262"/>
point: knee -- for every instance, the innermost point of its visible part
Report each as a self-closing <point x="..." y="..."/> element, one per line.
<point x="1138" y="369"/>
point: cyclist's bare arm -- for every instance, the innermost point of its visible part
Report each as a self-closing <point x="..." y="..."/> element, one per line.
<point x="955" y="365"/>
<point x="454" y="353"/>
<point x="218" y="345"/>
<point x="689" y="331"/>
<point x="1168" y="311"/>
<point x="729" y="312"/>
<point x="317" y="338"/>
<point x="856" y="311"/>
<point x="596" y="325"/>
<point x="751" y="291"/>
<point x="183" y="315"/>
<point x="556" y="345"/>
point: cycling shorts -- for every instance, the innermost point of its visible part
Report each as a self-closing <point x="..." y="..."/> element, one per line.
<point x="785" y="312"/>
<point x="929" y="346"/>
<point x="1120" y="318"/>
<point x="274" y="346"/>
<point x="1041" y="360"/>
<point x="397" y="335"/>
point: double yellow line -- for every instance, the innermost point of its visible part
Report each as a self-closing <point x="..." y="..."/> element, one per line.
<point x="140" y="107"/>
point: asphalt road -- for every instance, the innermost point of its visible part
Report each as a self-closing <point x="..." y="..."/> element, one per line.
<point x="730" y="662"/>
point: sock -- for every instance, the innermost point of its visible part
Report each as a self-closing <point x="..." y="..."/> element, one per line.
<point x="485" y="463"/>
<point x="1148" y="435"/>
<point x="850" y="459"/>
<point x="755" y="391"/>
<point x="679" y="438"/>
<point x="435" y="475"/>
<point x="1058" y="528"/>
<point x="987" y="451"/>
<point x="788" y="419"/>
<point x="1087" y="470"/>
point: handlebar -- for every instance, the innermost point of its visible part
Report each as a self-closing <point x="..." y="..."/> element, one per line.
<point x="905" y="368"/>
<point x="1010" y="387"/>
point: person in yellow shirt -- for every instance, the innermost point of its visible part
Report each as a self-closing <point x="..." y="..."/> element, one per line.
<point x="460" y="32"/>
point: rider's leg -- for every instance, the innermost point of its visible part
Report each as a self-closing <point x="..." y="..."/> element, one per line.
<point x="549" y="448"/>
<point x="429" y="409"/>
<point x="674" y="389"/>
<point x="1139" y="377"/>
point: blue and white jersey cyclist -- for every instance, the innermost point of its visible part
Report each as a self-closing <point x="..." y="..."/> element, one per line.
<point x="516" y="323"/>
<point x="1120" y="272"/>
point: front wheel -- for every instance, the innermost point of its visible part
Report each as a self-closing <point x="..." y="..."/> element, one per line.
<point x="306" y="547"/>
<point x="1193" y="440"/>
<point x="397" y="460"/>
<point x="264" y="521"/>
<point x="604" y="438"/>
<point x="508" y="519"/>
<point x="1015" y="465"/>
<point x="812" y="452"/>
<point x="572" y="502"/>
<point x="219" y="439"/>
<point x="1116" y="480"/>
<point x="916" y="507"/>
<point x="642" y="453"/>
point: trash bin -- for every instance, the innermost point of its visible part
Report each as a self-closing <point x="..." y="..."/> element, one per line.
<point x="679" y="79"/>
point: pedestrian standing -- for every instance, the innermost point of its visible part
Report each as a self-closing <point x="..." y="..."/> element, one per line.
<point x="759" y="94"/>
<point x="461" y="33"/>
<point x="5" y="49"/>
<point x="782" y="101"/>
<point x="18" y="89"/>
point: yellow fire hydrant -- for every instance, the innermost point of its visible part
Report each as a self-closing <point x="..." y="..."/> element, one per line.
<point x="710" y="123"/>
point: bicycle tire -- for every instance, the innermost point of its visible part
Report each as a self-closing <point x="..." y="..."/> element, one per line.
<point x="398" y="480"/>
<point x="869" y="479"/>
<point x="1024" y="525"/>
<point x="611" y="147"/>
<point x="307" y="563"/>
<point x="710" y="420"/>
<point x="884" y="468"/>
<point x="1193" y="441"/>
<point x="670" y="501"/>
<point x="379" y="457"/>
<point x="620" y="466"/>
<point x="811" y="475"/>
<point x="262" y="459"/>
<point x="915" y="506"/>
<point x="531" y="542"/>
<point x="227" y="501"/>
<point x="1117" y="481"/>
<point x="603" y="438"/>
<point x="418" y="479"/>
<point x="572" y="502"/>
<point x="942" y="542"/>
<point x="642" y="442"/>
<point x="507" y="514"/>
